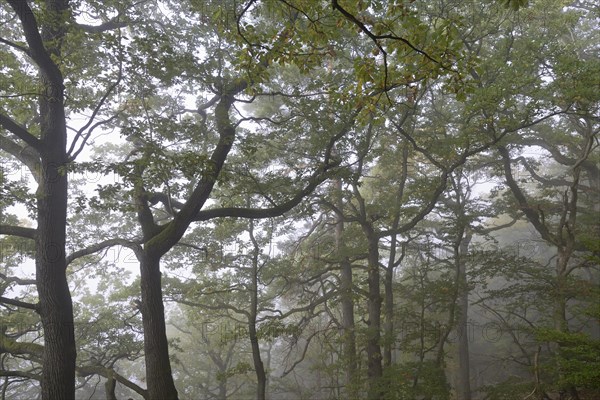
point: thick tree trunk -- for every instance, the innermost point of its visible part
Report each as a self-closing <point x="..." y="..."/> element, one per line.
<point x="109" y="386"/>
<point x="156" y="347"/>
<point x="55" y="305"/>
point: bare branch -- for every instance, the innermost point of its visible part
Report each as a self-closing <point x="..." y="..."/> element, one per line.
<point x="107" y="26"/>
<point x="15" y="46"/>
<point x="110" y="373"/>
<point x="133" y="245"/>
<point x="19" y="303"/>
<point x="18" y="281"/>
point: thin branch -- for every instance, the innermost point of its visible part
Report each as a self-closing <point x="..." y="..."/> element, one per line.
<point x="110" y="373"/>
<point x="375" y="38"/>
<point x="15" y="46"/>
<point x="18" y="281"/>
<point x="19" y="303"/>
<point x="107" y="26"/>
<point x="86" y="137"/>
<point x="133" y="245"/>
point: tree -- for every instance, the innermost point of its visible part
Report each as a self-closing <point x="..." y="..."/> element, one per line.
<point x="38" y="47"/>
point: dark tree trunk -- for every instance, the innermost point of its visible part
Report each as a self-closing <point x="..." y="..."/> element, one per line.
<point x="463" y="387"/>
<point x="261" y="377"/>
<point x="346" y="299"/>
<point x="55" y="304"/>
<point x="156" y="347"/>
<point x="561" y="324"/>
<point x="388" y="326"/>
<point x="259" y="368"/>
<point x="109" y="386"/>
<point x="374" y="367"/>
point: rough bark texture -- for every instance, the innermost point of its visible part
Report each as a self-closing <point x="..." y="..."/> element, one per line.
<point x="55" y="304"/>
<point x="156" y="347"/>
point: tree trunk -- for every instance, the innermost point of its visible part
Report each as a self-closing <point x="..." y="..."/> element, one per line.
<point x="259" y="368"/>
<point x="388" y="326"/>
<point x="561" y="324"/>
<point x="156" y="347"/>
<point x="346" y="299"/>
<point x="261" y="377"/>
<point x="109" y="386"/>
<point x="374" y="368"/>
<point x="463" y="387"/>
<point x="55" y="304"/>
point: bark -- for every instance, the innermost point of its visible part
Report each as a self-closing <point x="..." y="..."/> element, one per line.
<point x="259" y="368"/>
<point x="374" y="367"/>
<point x="463" y="387"/>
<point x="388" y="326"/>
<point x="109" y="386"/>
<point x="156" y="346"/>
<point x="563" y="238"/>
<point x="55" y="304"/>
<point x="346" y="299"/>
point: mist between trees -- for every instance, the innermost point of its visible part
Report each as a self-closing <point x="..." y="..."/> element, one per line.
<point x="300" y="199"/>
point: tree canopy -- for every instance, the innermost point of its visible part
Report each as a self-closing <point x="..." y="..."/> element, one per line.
<point x="299" y="199"/>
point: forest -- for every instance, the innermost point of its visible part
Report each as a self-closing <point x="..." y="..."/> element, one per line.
<point x="300" y="199"/>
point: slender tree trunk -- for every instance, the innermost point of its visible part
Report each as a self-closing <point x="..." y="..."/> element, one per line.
<point x="346" y="299"/>
<point x="374" y="367"/>
<point x="560" y="315"/>
<point x="463" y="387"/>
<point x="261" y="376"/>
<point x="156" y="347"/>
<point x="388" y="326"/>
<point x="259" y="368"/>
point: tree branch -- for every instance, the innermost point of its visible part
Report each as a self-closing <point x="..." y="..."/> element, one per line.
<point x="18" y="130"/>
<point x="27" y="233"/>
<point x="18" y="281"/>
<point x="26" y="154"/>
<point x="133" y="245"/>
<point x="532" y="215"/>
<point x="110" y="373"/>
<point x="15" y="46"/>
<point x="107" y="26"/>
<point x="38" y="51"/>
<point x="19" y="303"/>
